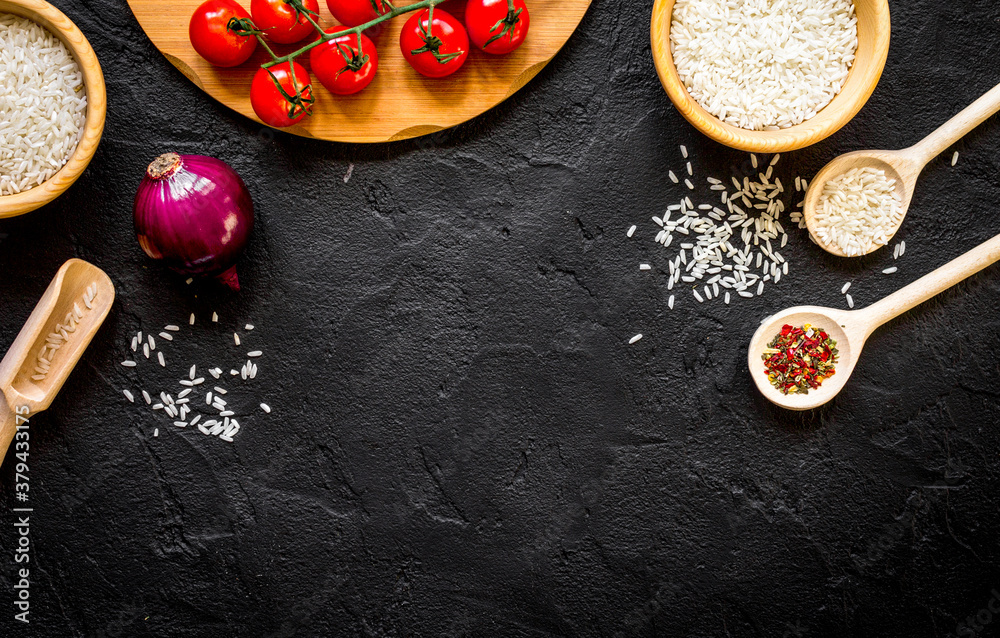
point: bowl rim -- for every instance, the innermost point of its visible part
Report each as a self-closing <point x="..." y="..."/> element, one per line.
<point x="787" y="139"/>
<point x="62" y="27"/>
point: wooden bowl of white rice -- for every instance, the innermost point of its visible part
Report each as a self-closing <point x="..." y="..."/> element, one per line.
<point x="769" y="76"/>
<point x="52" y="104"/>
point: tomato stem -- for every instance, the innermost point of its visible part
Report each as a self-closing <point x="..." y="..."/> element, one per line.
<point x="303" y="99"/>
<point x="506" y="24"/>
<point x="432" y="43"/>
<point x="300" y="9"/>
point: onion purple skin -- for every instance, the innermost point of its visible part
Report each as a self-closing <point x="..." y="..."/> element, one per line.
<point x="194" y="214"/>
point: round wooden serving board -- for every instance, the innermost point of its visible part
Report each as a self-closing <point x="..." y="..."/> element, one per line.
<point x="399" y="103"/>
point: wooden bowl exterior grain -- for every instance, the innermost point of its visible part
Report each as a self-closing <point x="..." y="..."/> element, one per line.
<point x="62" y="27"/>
<point x="873" y="49"/>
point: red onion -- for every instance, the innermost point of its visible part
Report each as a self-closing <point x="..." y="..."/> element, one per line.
<point x="195" y="214"/>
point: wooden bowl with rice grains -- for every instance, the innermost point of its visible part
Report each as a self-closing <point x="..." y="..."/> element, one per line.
<point x="52" y="133"/>
<point x="724" y="77"/>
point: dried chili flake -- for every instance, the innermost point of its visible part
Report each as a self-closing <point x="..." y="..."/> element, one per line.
<point x="799" y="359"/>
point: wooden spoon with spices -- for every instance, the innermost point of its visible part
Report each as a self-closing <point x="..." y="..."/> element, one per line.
<point x="902" y="166"/>
<point x="851" y="328"/>
<point x="50" y="343"/>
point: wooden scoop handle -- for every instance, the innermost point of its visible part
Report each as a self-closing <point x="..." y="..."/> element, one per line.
<point x="957" y="127"/>
<point x="931" y="284"/>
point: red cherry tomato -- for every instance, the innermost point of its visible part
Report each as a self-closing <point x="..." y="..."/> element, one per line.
<point x="213" y="40"/>
<point x="271" y="105"/>
<point x="438" y="50"/>
<point x="351" y="13"/>
<point x="338" y="74"/>
<point x="495" y="29"/>
<point x="280" y="21"/>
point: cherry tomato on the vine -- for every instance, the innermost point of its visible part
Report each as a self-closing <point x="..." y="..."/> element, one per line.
<point x="285" y="106"/>
<point x="212" y="38"/>
<point x="344" y="75"/>
<point x="351" y="13"/>
<point x="281" y="22"/>
<point x="434" y="50"/>
<point x="493" y="27"/>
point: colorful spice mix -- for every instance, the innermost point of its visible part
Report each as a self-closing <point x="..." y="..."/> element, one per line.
<point x="800" y="359"/>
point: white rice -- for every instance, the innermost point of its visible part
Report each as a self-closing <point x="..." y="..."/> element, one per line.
<point x="858" y="211"/>
<point x="645" y="267"/>
<point x="722" y="245"/>
<point x="631" y="231"/>
<point x="850" y="301"/>
<point x="634" y="339"/>
<point x="763" y="64"/>
<point x="846" y="287"/>
<point x="954" y="158"/>
<point x="43" y="106"/>
<point x="889" y="271"/>
<point x="180" y="410"/>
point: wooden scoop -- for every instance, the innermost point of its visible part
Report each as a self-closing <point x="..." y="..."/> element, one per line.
<point x="903" y="166"/>
<point x="51" y="342"/>
<point x="851" y="328"/>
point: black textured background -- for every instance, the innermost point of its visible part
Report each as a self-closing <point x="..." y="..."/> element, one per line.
<point x="462" y="443"/>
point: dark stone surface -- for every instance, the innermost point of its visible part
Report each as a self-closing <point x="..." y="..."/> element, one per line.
<point x="461" y="442"/>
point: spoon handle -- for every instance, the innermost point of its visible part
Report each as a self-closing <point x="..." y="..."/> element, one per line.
<point x="958" y="127"/>
<point x="932" y="283"/>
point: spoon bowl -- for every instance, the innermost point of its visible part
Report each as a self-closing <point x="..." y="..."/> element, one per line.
<point x="897" y="166"/>
<point x="904" y="166"/>
<point x="844" y="327"/>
